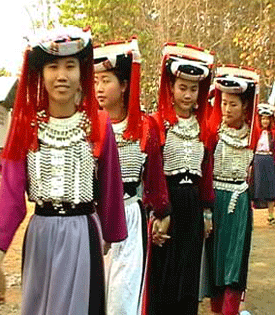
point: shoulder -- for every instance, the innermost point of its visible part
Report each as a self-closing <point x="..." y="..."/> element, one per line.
<point x="104" y="129"/>
<point x="212" y="140"/>
<point x="160" y="126"/>
<point x="150" y="132"/>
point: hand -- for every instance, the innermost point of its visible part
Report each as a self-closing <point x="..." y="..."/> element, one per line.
<point x="106" y="247"/>
<point x="159" y="231"/>
<point x="208" y="224"/>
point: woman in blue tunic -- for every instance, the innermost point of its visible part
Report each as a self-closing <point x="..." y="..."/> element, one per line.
<point x="263" y="164"/>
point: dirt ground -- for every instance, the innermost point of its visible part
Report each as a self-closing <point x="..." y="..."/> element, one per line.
<point x="260" y="298"/>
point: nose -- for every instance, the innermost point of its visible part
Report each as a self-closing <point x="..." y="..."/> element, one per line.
<point x="228" y="109"/>
<point x="187" y="94"/>
<point x="62" y="74"/>
<point x="98" y="86"/>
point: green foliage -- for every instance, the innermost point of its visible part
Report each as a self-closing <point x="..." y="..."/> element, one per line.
<point x="256" y="43"/>
<point x="109" y="19"/>
<point x="4" y="72"/>
<point x="239" y="31"/>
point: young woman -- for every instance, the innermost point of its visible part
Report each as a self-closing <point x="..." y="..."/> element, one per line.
<point x="117" y="78"/>
<point x="174" y="269"/>
<point x="236" y="94"/>
<point x="263" y="164"/>
<point x="62" y="152"/>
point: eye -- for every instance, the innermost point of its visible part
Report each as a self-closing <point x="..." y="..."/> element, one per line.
<point x="71" y="65"/>
<point x="51" y="65"/>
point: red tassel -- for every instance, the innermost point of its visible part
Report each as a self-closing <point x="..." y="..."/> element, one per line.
<point x="90" y="104"/>
<point x="133" y="130"/>
<point x="32" y="97"/>
<point x="20" y="132"/>
<point x="165" y="106"/>
<point x="256" y="129"/>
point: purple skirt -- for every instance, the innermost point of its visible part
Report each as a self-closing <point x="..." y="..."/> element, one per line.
<point x="63" y="266"/>
<point x="264" y="177"/>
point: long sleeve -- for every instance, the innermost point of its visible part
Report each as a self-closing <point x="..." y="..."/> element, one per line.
<point x="110" y="204"/>
<point x="155" y="194"/>
<point x="206" y="184"/>
<point x="12" y="200"/>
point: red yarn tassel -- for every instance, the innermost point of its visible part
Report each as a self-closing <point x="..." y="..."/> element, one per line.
<point x="133" y="130"/>
<point x="165" y="106"/>
<point x="20" y="131"/>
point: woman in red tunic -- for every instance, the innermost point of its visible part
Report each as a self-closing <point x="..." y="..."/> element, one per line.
<point x="174" y="269"/>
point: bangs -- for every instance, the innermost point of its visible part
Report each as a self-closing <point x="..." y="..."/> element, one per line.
<point x="38" y="57"/>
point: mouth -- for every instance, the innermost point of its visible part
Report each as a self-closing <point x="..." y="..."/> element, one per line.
<point x="228" y="119"/>
<point x="101" y="98"/>
<point x="62" y="87"/>
<point x="187" y="104"/>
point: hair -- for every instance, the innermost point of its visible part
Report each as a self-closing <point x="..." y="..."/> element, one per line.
<point x="31" y="97"/>
<point x="38" y="58"/>
<point x="122" y="71"/>
<point x="246" y="98"/>
<point x="203" y="87"/>
<point x="271" y="121"/>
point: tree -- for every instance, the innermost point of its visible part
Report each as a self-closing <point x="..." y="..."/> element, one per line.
<point x="256" y="42"/>
<point x="4" y="72"/>
<point x="239" y="31"/>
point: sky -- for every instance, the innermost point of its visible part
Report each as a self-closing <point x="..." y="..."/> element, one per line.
<point x="16" y="18"/>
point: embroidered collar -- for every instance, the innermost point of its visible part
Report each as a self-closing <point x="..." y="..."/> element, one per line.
<point x="65" y="131"/>
<point x="186" y="128"/>
<point x="119" y="129"/>
<point x="237" y="138"/>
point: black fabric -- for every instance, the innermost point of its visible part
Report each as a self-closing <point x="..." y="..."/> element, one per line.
<point x="174" y="181"/>
<point x="131" y="188"/>
<point x="185" y="68"/>
<point x="38" y="57"/>
<point x="175" y="267"/>
<point x="264" y="178"/>
<point x="65" y="209"/>
<point x="144" y="222"/>
<point x="97" y="294"/>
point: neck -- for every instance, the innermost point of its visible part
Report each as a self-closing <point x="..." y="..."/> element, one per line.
<point x="236" y="126"/>
<point x="61" y="110"/>
<point x="183" y="114"/>
<point x="117" y="113"/>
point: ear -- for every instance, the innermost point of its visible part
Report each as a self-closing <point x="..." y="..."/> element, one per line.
<point x="172" y="87"/>
<point x="124" y="86"/>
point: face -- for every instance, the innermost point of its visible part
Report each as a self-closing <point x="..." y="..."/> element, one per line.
<point x="62" y="79"/>
<point x="265" y="121"/>
<point x="109" y="91"/>
<point x="185" y="94"/>
<point x="232" y="110"/>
